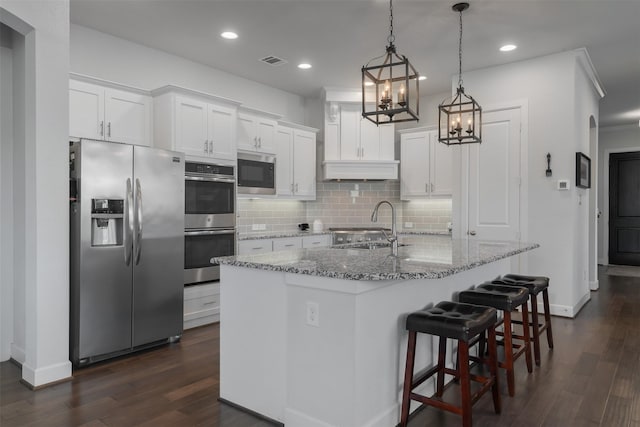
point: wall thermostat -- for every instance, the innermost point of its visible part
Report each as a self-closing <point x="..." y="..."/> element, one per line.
<point x="563" y="184"/>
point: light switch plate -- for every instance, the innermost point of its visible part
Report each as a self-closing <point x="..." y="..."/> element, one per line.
<point x="563" y="184"/>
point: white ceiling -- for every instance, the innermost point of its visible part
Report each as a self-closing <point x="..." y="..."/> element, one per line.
<point x="339" y="36"/>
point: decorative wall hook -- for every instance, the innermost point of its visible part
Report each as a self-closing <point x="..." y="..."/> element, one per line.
<point x="548" y="171"/>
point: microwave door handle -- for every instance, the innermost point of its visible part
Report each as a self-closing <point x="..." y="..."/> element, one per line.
<point x="128" y="223"/>
<point x="208" y="232"/>
<point x="200" y="178"/>
<point x="138" y="222"/>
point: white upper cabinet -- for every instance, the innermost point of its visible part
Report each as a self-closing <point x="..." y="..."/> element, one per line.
<point x="296" y="162"/>
<point x="359" y="138"/>
<point x="112" y="114"/>
<point x="425" y="165"/>
<point x="200" y="125"/>
<point x="257" y="131"/>
<point x="354" y="147"/>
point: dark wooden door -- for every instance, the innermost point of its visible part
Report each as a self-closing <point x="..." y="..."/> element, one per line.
<point x="624" y="208"/>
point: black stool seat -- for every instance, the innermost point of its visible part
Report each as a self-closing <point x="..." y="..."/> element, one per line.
<point x="535" y="284"/>
<point x="452" y="320"/>
<point x="502" y="297"/>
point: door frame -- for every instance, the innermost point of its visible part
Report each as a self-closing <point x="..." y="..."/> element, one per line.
<point x="605" y="197"/>
<point x="461" y="180"/>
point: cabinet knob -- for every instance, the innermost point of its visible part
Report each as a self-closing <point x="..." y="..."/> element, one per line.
<point x="206" y="146"/>
<point x="102" y="128"/>
<point x="109" y="129"/>
<point x="471" y="232"/>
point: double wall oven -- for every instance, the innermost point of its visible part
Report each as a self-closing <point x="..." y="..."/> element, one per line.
<point x="210" y="219"/>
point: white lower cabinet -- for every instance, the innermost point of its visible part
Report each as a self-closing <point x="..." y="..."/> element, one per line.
<point x="201" y="304"/>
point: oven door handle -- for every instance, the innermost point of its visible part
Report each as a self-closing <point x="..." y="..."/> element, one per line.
<point x="208" y="232"/>
<point x="201" y="178"/>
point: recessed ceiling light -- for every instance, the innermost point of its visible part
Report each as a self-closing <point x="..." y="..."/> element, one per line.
<point x="304" y="66"/>
<point x="229" y="35"/>
<point x="508" y="48"/>
<point x="422" y="78"/>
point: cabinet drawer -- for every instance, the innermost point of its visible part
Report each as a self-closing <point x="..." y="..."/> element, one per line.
<point x="287" y="244"/>
<point x="316" y="241"/>
<point x="247" y="247"/>
<point x="201" y="304"/>
<point x="198" y="291"/>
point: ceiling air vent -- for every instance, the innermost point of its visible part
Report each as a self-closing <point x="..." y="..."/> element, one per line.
<point x="273" y="60"/>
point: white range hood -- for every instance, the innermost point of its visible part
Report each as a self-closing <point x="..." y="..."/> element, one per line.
<point x="354" y="147"/>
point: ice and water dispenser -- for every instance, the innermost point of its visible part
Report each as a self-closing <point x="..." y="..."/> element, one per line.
<point x="106" y="222"/>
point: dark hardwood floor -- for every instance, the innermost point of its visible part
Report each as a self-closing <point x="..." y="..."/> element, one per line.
<point x="591" y="378"/>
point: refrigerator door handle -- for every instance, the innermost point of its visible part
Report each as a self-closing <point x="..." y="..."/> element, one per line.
<point x="138" y="222"/>
<point x="128" y="226"/>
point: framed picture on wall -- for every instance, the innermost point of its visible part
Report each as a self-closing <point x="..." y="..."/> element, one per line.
<point x="583" y="171"/>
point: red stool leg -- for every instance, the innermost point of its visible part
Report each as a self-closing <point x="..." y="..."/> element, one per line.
<point x="408" y="378"/>
<point x="442" y="350"/>
<point x="547" y="317"/>
<point x="493" y="369"/>
<point x="536" y="328"/>
<point x="465" y="383"/>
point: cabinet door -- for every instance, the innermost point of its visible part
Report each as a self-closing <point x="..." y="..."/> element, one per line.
<point x="369" y="140"/>
<point x="350" y="117"/>
<point x="441" y="158"/>
<point x="266" y="135"/>
<point x="387" y="142"/>
<point x="414" y="165"/>
<point x="221" y="132"/>
<point x="127" y="117"/>
<point x="287" y="244"/>
<point x="304" y="164"/>
<point x="191" y="127"/>
<point x="247" y="135"/>
<point x="86" y="110"/>
<point x="284" y="152"/>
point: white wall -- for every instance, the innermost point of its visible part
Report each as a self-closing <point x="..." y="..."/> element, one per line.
<point x="111" y="58"/>
<point x="549" y="86"/>
<point x="41" y="128"/>
<point x="6" y="200"/>
<point x="616" y="139"/>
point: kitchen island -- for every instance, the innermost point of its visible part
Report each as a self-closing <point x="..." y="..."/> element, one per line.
<point x="316" y="337"/>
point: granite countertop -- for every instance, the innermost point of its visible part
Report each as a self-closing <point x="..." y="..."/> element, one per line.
<point x="297" y="233"/>
<point x="421" y="257"/>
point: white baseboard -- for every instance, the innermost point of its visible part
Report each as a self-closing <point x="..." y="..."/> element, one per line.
<point x="298" y="419"/>
<point x="47" y="374"/>
<point x="17" y="353"/>
<point x="594" y="285"/>
<point x="389" y="417"/>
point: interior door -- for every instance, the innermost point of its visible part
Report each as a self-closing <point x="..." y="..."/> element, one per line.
<point x="158" y="250"/>
<point x="624" y="208"/>
<point x="494" y="178"/>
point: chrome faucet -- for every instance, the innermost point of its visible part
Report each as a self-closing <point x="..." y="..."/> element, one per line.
<point x="393" y="239"/>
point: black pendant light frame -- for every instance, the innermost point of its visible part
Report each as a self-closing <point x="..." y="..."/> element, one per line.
<point x="394" y="92"/>
<point x="452" y="130"/>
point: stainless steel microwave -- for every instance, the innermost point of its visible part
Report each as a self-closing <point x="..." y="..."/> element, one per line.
<point x="256" y="173"/>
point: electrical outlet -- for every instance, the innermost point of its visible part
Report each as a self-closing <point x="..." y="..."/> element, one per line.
<point x="313" y="314"/>
<point x="408" y="225"/>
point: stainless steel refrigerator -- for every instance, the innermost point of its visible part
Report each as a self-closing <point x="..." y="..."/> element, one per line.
<point x="127" y="248"/>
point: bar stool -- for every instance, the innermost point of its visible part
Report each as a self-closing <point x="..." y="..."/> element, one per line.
<point x="508" y="299"/>
<point x="535" y="285"/>
<point x="461" y="322"/>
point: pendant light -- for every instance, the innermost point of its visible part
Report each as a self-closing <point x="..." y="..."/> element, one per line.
<point x="461" y="117"/>
<point x="390" y="90"/>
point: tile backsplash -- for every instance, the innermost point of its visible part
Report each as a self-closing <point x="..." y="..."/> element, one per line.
<point x="340" y="204"/>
